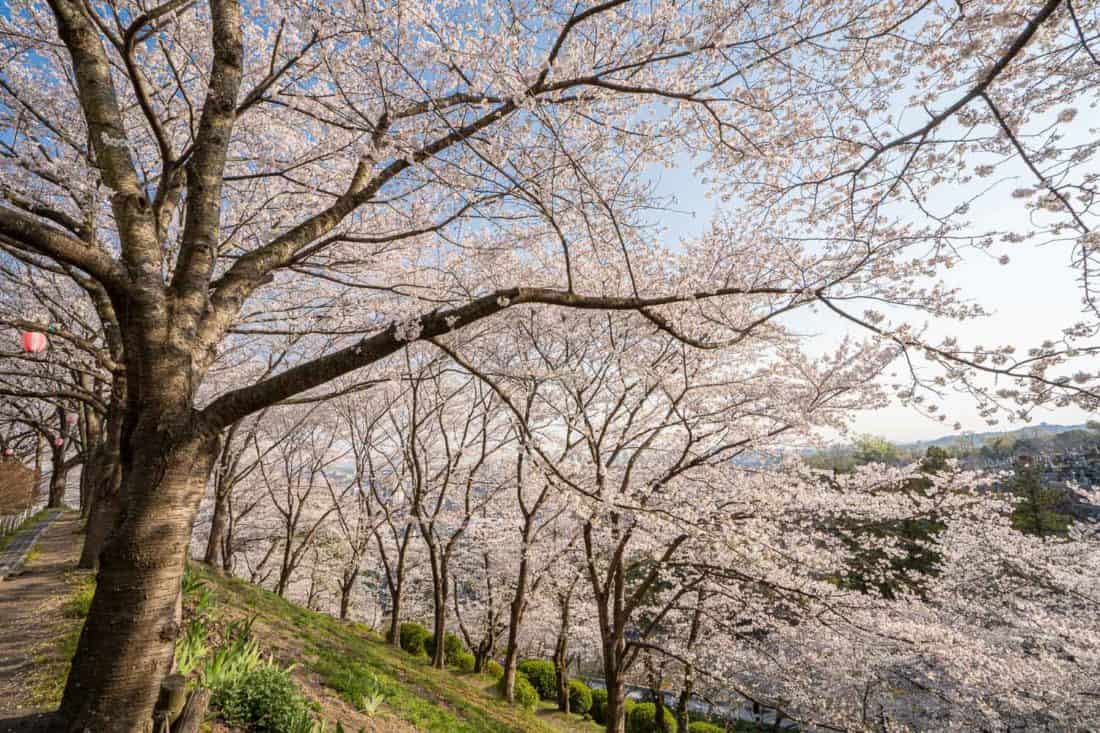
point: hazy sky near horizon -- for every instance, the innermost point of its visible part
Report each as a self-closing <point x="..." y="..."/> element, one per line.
<point x="1030" y="300"/>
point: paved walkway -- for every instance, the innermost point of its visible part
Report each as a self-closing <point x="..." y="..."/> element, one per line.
<point x="31" y="609"/>
<point x="12" y="556"/>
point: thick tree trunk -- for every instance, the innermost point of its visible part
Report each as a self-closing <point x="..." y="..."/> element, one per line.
<point x="125" y="649"/>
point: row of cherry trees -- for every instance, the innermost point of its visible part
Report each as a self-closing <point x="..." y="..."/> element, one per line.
<point x="619" y="496"/>
<point x="237" y="221"/>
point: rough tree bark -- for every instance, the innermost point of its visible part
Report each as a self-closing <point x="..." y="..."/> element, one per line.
<point x="139" y="581"/>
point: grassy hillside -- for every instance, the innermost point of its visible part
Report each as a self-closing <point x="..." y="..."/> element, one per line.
<point x="336" y="661"/>
<point x="330" y="666"/>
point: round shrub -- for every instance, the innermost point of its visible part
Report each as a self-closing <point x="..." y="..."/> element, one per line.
<point x="493" y="668"/>
<point x="642" y="718"/>
<point x="598" y="710"/>
<point x="542" y="675"/>
<point x="263" y="700"/>
<point x="413" y="638"/>
<point x="526" y="694"/>
<point x="465" y="661"/>
<point x="452" y="647"/>
<point x="580" y="697"/>
<point x="702" y="726"/>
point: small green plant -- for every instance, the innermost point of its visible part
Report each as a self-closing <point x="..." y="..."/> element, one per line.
<point x="237" y="657"/>
<point x="80" y="602"/>
<point x="265" y="700"/>
<point x="493" y="668"/>
<point x="196" y="589"/>
<point x="465" y="661"/>
<point x="371" y="699"/>
<point x="191" y="582"/>
<point x="542" y="675"/>
<point x="191" y="645"/>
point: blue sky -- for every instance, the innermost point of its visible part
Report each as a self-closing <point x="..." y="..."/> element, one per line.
<point x="1030" y="299"/>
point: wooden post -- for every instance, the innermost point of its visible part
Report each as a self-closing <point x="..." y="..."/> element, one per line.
<point x="170" y="702"/>
<point x="193" y="713"/>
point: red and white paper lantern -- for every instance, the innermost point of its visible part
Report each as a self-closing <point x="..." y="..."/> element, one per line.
<point x="34" y="342"/>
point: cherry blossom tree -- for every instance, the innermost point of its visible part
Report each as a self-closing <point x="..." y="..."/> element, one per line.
<point x="213" y="175"/>
<point x="650" y="428"/>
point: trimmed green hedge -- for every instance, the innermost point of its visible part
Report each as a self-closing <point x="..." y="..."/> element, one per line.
<point x="541" y="674"/>
<point x="526" y="695"/>
<point x="702" y="726"/>
<point x="414" y="639"/>
<point x="598" y="710"/>
<point x="452" y="648"/>
<point x="580" y="697"/>
<point x="465" y="661"/>
<point x="643" y="719"/>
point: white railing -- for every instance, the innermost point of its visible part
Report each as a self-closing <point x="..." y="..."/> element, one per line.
<point x="11" y="522"/>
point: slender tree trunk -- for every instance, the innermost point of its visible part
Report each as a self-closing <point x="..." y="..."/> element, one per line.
<point x="481" y="655"/>
<point x="105" y="479"/>
<point x="561" y="648"/>
<point x="561" y="675"/>
<point x="394" y="634"/>
<point x="682" y="718"/>
<point x="125" y="649"/>
<point x="57" y="480"/>
<point x="286" y="569"/>
<point x="616" y="702"/>
<point x="212" y="556"/>
<point x="439" y="612"/>
<point x="656" y="683"/>
<point x="688" y="687"/>
<point x="515" y="617"/>
<point x="347" y="585"/>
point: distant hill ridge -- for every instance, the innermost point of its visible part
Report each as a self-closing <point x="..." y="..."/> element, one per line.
<point x="1029" y="431"/>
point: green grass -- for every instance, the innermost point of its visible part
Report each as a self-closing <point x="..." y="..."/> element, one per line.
<point x="350" y="660"/>
<point x="51" y="664"/>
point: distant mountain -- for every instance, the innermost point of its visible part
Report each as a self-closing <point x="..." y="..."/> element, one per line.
<point x="1031" y="431"/>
